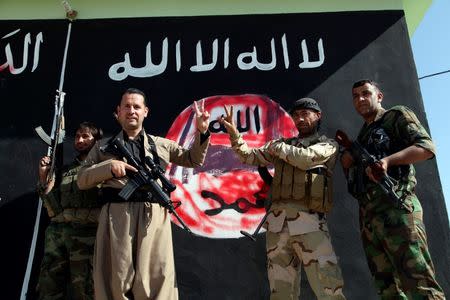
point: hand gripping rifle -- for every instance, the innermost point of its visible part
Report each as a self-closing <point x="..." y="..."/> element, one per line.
<point x="56" y="138"/>
<point x="147" y="175"/>
<point x="364" y="159"/>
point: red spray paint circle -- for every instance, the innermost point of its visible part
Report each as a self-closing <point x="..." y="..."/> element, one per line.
<point x="225" y="196"/>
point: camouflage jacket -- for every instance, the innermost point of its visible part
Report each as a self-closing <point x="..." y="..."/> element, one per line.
<point x="401" y="129"/>
<point x="67" y="203"/>
<point x="295" y="186"/>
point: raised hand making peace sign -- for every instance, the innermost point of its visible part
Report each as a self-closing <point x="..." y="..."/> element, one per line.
<point x="202" y="116"/>
<point x="228" y="122"/>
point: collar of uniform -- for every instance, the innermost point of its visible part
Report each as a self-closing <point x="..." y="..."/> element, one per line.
<point x="380" y="114"/>
<point x="142" y="136"/>
<point x="77" y="161"/>
<point x="307" y="141"/>
<point x="138" y="138"/>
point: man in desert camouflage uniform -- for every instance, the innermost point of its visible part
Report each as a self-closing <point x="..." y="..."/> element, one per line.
<point x="66" y="269"/>
<point x="301" y="193"/>
<point x="393" y="234"/>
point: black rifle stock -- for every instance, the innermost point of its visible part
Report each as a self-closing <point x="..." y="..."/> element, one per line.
<point x="147" y="175"/>
<point x="258" y="228"/>
<point x="364" y="158"/>
<point x="267" y="178"/>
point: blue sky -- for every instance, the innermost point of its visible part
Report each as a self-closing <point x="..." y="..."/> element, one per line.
<point x="431" y="49"/>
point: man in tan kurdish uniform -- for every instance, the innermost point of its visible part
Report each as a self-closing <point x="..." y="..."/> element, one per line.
<point x="301" y="191"/>
<point x="133" y="256"/>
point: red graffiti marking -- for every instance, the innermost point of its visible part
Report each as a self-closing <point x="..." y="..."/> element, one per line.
<point x="225" y="196"/>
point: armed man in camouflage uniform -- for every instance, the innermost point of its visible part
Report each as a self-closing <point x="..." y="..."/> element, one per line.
<point x="66" y="269"/>
<point x="393" y="236"/>
<point x="301" y="194"/>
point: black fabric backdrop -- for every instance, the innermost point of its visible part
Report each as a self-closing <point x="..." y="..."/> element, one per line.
<point x="356" y="45"/>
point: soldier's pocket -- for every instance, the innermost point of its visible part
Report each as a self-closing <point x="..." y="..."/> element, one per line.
<point x="318" y="189"/>
<point x="331" y="279"/>
<point x="66" y="185"/>
<point x="400" y="227"/>
<point x="407" y="203"/>
<point x="300" y="186"/>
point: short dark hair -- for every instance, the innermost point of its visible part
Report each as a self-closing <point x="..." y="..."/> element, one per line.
<point x="96" y="132"/>
<point x="135" y="91"/>
<point x="362" y="82"/>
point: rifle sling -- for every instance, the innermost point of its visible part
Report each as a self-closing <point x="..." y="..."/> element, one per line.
<point x="152" y="144"/>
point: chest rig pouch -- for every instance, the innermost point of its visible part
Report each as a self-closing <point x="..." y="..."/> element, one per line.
<point x="318" y="186"/>
<point x="318" y="189"/>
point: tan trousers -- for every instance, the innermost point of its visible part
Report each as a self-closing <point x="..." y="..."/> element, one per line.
<point x="286" y="255"/>
<point x="133" y="256"/>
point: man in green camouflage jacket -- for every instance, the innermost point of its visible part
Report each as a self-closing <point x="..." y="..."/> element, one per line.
<point x="301" y="194"/>
<point x="66" y="268"/>
<point x="393" y="235"/>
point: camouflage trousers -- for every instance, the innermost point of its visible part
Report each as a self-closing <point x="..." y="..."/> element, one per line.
<point x="66" y="268"/>
<point x="396" y="247"/>
<point x="285" y="256"/>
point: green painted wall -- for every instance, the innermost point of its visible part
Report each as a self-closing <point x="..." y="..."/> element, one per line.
<point x="91" y="9"/>
<point x="414" y="11"/>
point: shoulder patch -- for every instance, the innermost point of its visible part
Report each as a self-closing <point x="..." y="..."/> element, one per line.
<point x="409" y="115"/>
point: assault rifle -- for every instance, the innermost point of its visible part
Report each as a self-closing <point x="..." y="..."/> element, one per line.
<point x="146" y="177"/>
<point x="56" y="139"/>
<point x="364" y="159"/>
<point x="54" y="150"/>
